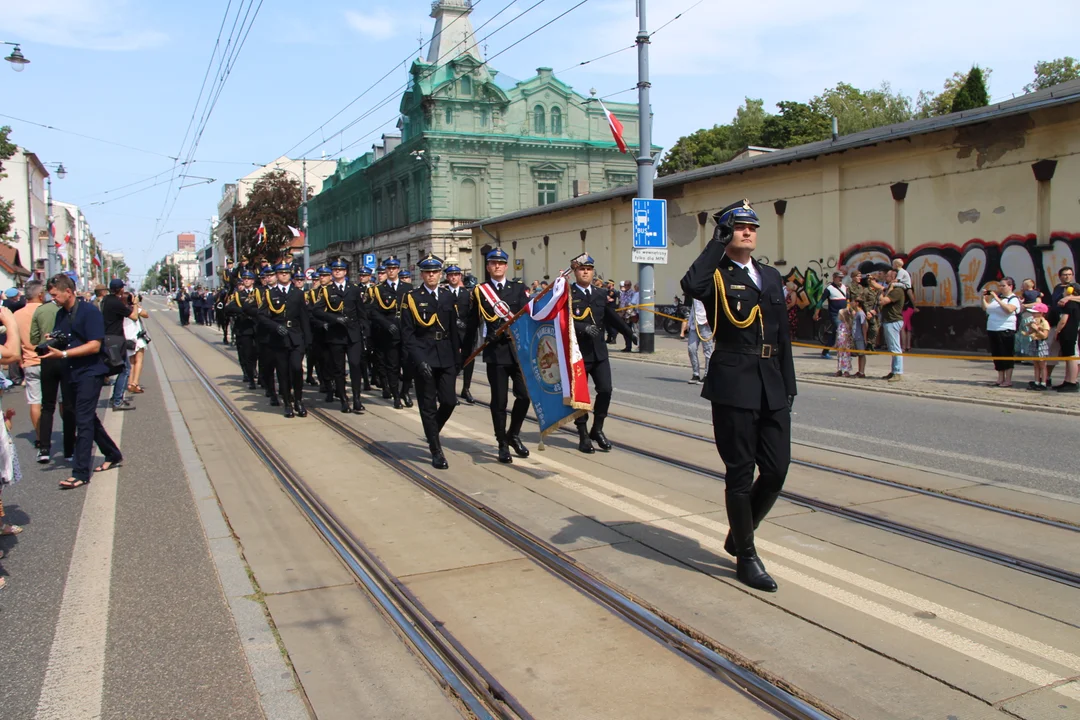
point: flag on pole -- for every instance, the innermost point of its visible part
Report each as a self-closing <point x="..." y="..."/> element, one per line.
<point x="616" y="127"/>
<point x="61" y="249"/>
<point x="261" y="233"/>
<point x="96" y="261"/>
<point x="551" y="361"/>
<point x="296" y="232"/>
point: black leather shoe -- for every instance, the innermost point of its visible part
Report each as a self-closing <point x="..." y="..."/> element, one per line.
<point x="367" y="386"/>
<point x="289" y="411"/>
<point x="597" y="435"/>
<point x="357" y="406"/>
<point x="398" y="405"/>
<point x="311" y="380"/>
<point x="407" y="400"/>
<point x="274" y="402"/>
<point x="519" y="447"/>
<point x="504" y="454"/>
<point x="386" y="394"/>
<point x="438" y="461"/>
<point x="330" y="396"/>
<point x="345" y="406"/>
<point x="269" y="394"/>
<point x="751" y="572"/>
<point x="584" y="443"/>
<point x="301" y="411"/>
<point x="252" y="385"/>
<point x="467" y="396"/>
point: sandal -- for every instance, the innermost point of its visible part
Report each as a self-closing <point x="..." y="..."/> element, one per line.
<point x="10" y="529"/>
<point x="110" y="463"/>
<point x="72" y="483"/>
<point x="135" y="389"/>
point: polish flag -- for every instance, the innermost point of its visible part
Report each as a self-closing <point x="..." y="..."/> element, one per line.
<point x="95" y="261"/>
<point x="261" y="233"/>
<point x="295" y="231"/>
<point x="616" y="127"/>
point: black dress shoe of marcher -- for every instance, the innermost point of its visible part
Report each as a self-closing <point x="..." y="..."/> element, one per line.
<point x="301" y="411"/>
<point x="438" y="461"/>
<point x="345" y="406"/>
<point x="357" y="406"/>
<point x="751" y="572"/>
<point x="398" y="405"/>
<point x="385" y="394"/>
<point x="330" y="396"/>
<point x="269" y="394"/>
<point x="274" y="402"/>
<point x="519" y="447"/>
<point x="467" y="396"/>
<point x="600" y="439"/>
<point x="289" y="411"/>
<point x="407" y="400"/>
<point x="504" y="454"/>
<point x="252" y="385"/>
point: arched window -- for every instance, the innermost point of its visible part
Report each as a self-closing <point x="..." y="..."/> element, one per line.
<point x="556" y="121"/>
<point x="466" y="86"/>
<point x="449" y="115"/>
<point x="467" y="208"/>
<point x="538" y="120"/>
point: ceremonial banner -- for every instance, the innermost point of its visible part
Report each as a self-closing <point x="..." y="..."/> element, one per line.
<point x="548" y="353"/>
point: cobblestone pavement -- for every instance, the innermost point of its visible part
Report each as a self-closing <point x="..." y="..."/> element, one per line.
<point x="942" y="379"/>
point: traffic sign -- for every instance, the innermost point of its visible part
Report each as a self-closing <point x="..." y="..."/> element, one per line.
<point x="650" y="223"/>
<point x="369" y="260"/>
<point x="653" y="256"/>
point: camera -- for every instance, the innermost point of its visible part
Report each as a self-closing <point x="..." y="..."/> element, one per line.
<point x="58" y="340"/>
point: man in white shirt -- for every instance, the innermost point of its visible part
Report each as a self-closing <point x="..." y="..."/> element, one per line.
<point x="697" y="332"/>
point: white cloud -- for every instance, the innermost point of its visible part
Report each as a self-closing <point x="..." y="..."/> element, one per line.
<point x="377" y="25"/>
<point x="86" y="24"/>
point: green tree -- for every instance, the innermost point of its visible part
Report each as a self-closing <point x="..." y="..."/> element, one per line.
<point x="930" y="104"/>
<point x="857" y="110"/>
<point x="275" y="201"/>
<point x="120" y="270"/>
<point x="747" y="125"/>
<point x="973" y="93"/>
<point x="702" y="148"/>
<point x="796" y="124"/>
<point x="7" y="149"/>
<point x="1054" y="72"/>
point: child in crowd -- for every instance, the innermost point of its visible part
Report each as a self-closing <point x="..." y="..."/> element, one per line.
<point x="859" y="339"/>
<point x="1022" y="346"/>
<point x="844" y="341"/>
<point x="1037" y="331"/>
<point x="903" y="277"/>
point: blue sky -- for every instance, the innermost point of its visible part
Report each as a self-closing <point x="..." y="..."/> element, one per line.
<point x="129" y="71"/>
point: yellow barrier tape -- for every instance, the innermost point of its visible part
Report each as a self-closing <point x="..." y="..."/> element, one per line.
<point x="812" y="346"/>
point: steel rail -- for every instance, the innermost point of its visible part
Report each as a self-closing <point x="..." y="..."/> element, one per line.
<point x="458" y="671"/>
<point x="721" y="662"/>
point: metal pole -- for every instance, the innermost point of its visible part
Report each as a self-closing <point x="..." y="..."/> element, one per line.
<point x="303" y="189"/>
<point x="50" y="265"/>
<point x="647" y="326"/>
<point x="235" y="202"/>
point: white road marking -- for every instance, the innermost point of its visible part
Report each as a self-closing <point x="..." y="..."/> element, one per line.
<point x="74" y="682"/>
<point x="995" y="658"/>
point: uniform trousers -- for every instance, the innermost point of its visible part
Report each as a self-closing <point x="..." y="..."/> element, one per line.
<point x="53" y="384"/>
<point x="600" y="372"/>
<point x="267" y="368"/>
<point x="499" y="378"/>
<point x="185" y="313"/>
<point x="357" y="366"/>
<point x="336" y="358"/>
<point x="289" y="365"/>
<point x="88" y="428"/>
<point x="746" y="438"/>
<point x="436" y="398"/>
<point x="389" y="350"/>
<point x="466" y="373"/>
<point x="245" y="353"/>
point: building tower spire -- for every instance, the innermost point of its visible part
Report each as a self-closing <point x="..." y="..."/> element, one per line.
<point x="453" y="35"/>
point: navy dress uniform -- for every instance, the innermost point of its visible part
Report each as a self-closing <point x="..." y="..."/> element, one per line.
<point x="367" y="357"/>
<point x="264" y="354"/>
<point x="592" y="314"/>
<point x="241" y="309"/>
<point x="463" y="303"/>
<point x="386" y="321"/>
<point x="317" y="362"/>
<point x="751" y="380"/>
<point x="285" y="315"/>
<point x="431" y="342"/>
<point x="338" y="305"/>
<point x="183" y="305"/>
<point x="502" y="363"/>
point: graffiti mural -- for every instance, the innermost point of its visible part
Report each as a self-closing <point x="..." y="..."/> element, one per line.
<point x="810" y="283"/>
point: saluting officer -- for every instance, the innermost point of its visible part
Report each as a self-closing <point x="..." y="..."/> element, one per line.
<point x="463" y="302"/>
<point x="242" y="310"/>
<point x="592" y="313"/>
<point x="493" y="303"/>
<point x="338" y="304"/>
<point x="386" y="318"/>
<point x="751" y="378"/>
<point x="286" y="316"/>
<point x="430" y="341"/>
<point x="265" y="355"/>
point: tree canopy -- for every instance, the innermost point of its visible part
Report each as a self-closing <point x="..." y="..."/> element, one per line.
<point x="1054" y="72"/>
<point x="7" y="149"/>
<point x="275" y="201"/>
<point x="973" y="93"/>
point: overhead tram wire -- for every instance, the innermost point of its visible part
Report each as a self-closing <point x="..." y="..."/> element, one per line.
<point x="87" y="137"/>
<point x="389" y="72"/>
<point x="435" y="66"/>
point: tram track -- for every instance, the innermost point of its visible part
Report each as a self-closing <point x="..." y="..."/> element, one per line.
<point x="726" y="665"/>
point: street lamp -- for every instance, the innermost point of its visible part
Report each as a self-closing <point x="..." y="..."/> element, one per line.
<point x="16" y="58"/>
<point x="60" y="173"/>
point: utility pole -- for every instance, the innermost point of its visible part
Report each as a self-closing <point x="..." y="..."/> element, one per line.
<point x="235" y="203"/>
<point x="50" y="263"/>
<point x="646" y="276"/>
<point x="303" y="189"/>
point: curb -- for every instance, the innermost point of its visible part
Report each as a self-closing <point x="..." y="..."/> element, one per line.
<point x="1049" y="409"/>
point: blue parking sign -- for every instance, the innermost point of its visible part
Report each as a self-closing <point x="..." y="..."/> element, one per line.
<point x="650" y="223"/>
<point x="369" y="260"/>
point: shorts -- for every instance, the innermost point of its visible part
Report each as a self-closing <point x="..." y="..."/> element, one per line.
<point x="908" y="314"/>
<point x="32" y="383"/>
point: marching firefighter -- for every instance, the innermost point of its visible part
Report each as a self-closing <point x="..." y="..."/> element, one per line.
<point x="463" y="302"/>
<point x="242" y="311"/>
<point x="429" y="338"/>
<point x="338" y="304"/>
<point x="285" y="315"/>
<point x="316" y="353"/>
<point x="593" y="313"/>
<point x="751" y="378"/>
<point x="265" y="355"/>
<point x="386" y="320"/>
<point x="493" y="303"/>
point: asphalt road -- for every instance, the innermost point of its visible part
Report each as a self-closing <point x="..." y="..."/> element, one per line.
<point x="1030" y="449"/>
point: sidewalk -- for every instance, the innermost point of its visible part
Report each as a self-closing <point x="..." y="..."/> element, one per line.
<point x="941" y="379"/>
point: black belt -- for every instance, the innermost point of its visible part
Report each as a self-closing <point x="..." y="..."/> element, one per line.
<point x="440" y="335"/>
<point x="289" y="323"/>
<point x="762" y="351"/>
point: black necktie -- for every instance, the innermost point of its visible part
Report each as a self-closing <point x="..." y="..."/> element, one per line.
<point x="498" y="287"/>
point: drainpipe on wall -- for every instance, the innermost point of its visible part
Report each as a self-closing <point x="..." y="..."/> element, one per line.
<point x="1044" y="173"/>
<point x="899" y="194"/>
<point x="780" y="206"/>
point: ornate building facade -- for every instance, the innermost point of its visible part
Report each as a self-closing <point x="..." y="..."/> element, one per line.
<point x="471" y="144"/>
